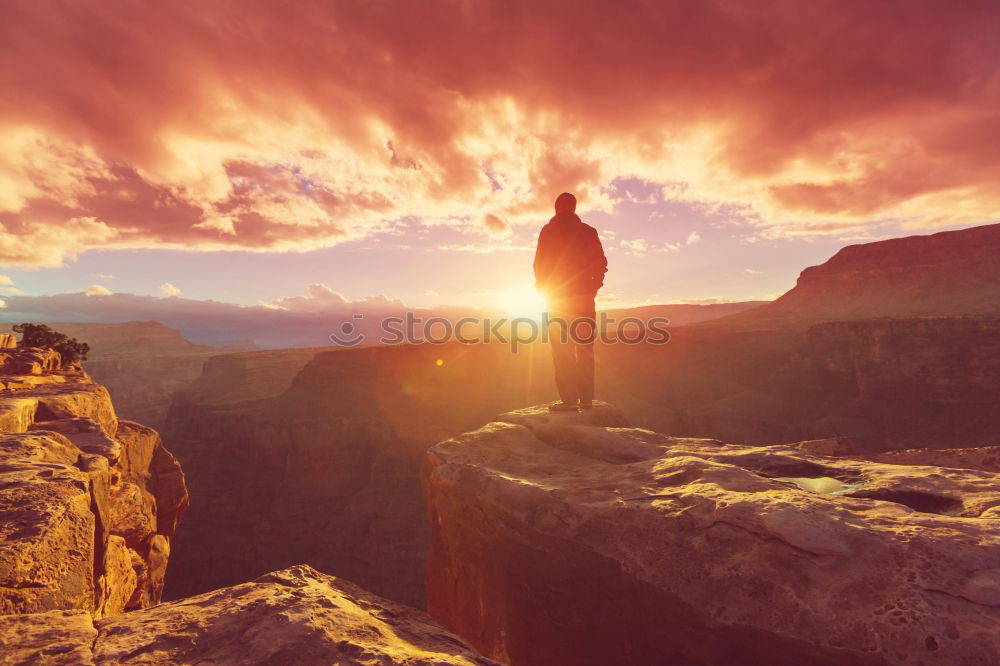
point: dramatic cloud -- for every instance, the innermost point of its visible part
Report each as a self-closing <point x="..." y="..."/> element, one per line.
<point x="260" y="125"/>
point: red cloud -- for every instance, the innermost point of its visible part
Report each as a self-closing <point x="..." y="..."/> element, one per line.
<point x="264" y="125"/>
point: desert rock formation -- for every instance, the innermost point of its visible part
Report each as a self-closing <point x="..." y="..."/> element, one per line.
<point x="567" y="539"/>
<point x="946" y="273"/>
<point x="929" y="382"/>
<point x="294" y="616"/>
<point x="88" y="502"/>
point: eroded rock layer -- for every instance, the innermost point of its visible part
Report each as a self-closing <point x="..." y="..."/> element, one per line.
<point x="294" y="616"/>
<point x="88" y="502"/>
<point x="566" y="539"/>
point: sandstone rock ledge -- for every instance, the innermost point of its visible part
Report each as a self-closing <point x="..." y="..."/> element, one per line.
<point x="294" y="616"/>
<point x="88" y="502"/>
<point x="568" y="540"/>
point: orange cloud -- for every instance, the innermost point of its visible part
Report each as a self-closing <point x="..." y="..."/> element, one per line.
<point x="264" y="126"/>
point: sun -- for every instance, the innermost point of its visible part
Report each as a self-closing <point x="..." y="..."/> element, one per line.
<point x="522" y="301"/>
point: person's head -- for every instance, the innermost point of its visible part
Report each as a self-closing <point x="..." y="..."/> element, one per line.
<point x="565" y="203"/>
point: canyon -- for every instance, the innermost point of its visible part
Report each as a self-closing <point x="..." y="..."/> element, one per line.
<point x="89" y="504"/>
<point x="346" y="429"/>
<point x="857" y="414"/>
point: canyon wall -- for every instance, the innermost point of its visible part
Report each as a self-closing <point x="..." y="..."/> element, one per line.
<point x="889" y="383"/>
<point x="327" y="473"/>
<point x="568" y="539"/>
<point x="88" y="502"/>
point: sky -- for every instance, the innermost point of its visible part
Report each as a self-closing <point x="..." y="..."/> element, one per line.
<point x="274" y="153"/>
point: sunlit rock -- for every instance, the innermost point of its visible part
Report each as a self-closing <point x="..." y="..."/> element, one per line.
<point x="581" y="542"/>
<point x="88" y="502"/>
<point x="294" y="616"/>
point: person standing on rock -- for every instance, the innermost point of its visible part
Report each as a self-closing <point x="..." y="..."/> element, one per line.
<point x="569" y="269"/>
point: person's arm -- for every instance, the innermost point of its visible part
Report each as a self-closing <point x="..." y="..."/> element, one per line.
<point x="599" y="263"/>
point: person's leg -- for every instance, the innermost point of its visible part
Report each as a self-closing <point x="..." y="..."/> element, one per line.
<point x="585" y="373"/>
<point x="564" y="359"/>
<point x="586" y="333"/>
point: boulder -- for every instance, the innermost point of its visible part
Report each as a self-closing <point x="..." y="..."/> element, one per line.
<point x="294" y="616"/>
<point x="29" y="361"/>
<point x="575" y="542"/>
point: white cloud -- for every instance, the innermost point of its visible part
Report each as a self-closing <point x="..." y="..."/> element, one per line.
<point x="635" y="247"/>
<point x="485" y="248"/>
<point x="97" y="290"/>
<point x="693" y="238"/>
<point x="168" y="289"/>
<point x="7" y="285"/>
<point x="752" y="271"/>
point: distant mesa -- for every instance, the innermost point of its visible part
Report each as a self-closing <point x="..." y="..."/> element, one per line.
<point x="948" y="273"/>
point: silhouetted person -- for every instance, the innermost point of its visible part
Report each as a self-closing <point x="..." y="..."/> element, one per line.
<point x="569" y="269"/>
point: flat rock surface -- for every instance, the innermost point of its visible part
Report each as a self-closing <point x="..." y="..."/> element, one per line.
<point x="293" y="616"/>
<point x="570" y="542"/>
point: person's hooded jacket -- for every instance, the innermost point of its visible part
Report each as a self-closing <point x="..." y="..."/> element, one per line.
<point x="569" y="260"/>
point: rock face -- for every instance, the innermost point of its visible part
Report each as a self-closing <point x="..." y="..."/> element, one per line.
<point x="88" y="502"/>
<point x="565" y="539"/>
<point x="295" y="616"/>
<point x="926" y="382"/>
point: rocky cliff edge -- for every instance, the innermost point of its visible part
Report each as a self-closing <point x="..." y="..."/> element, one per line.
<point x="569" y="539"/>
<point x="88" y="502"/>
